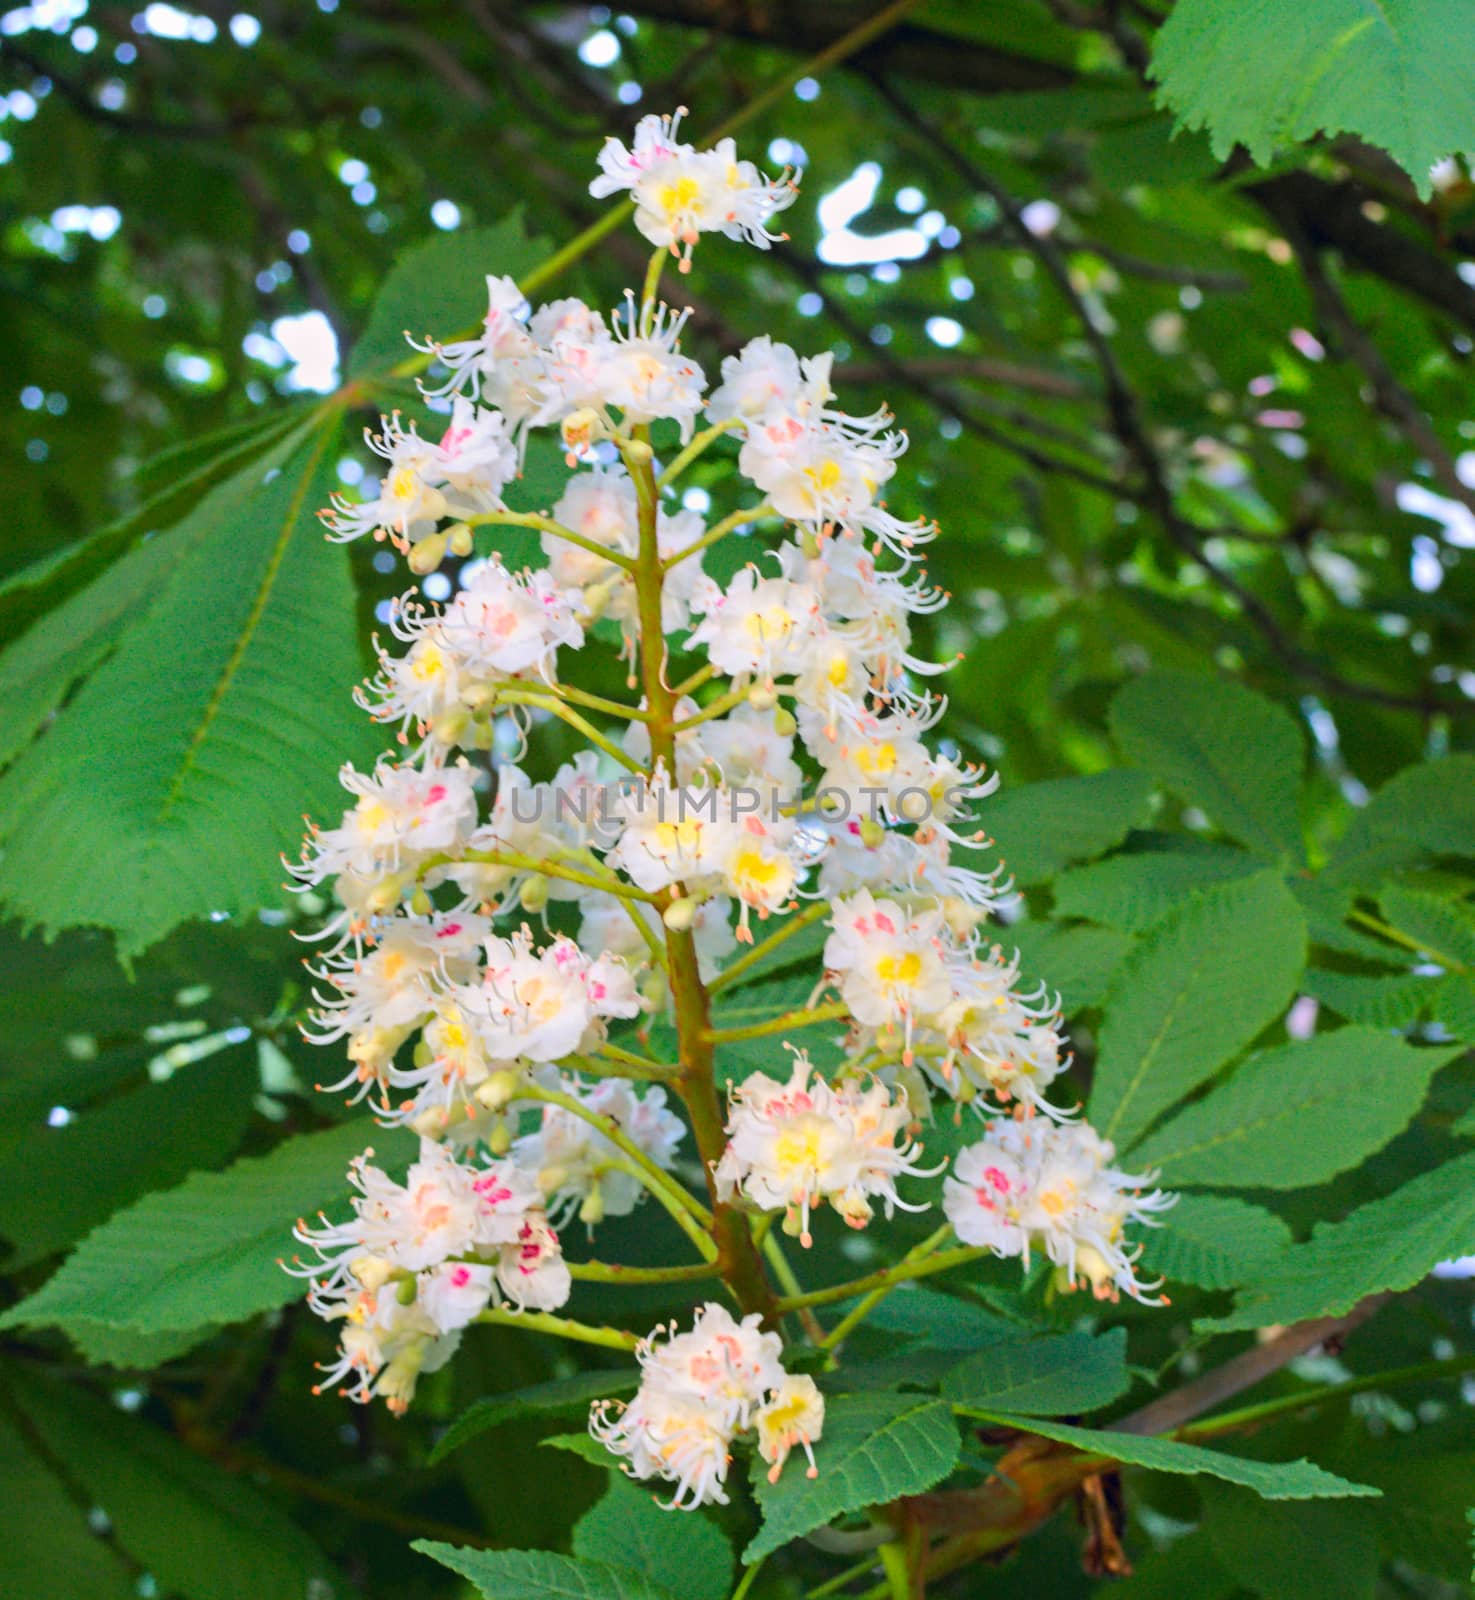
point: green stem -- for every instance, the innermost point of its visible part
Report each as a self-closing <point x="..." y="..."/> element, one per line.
<point x="651" y="288"/>
<point x="811" y="914"/>
<point x="740" y="1264"/>
<point x="944" y="1261"/>
<point x="562" y="1327"/>
<point x="1398" y="936"/>
<point x="746" y="1581"/>
<point x="535" y="519"/>
<point x="1282" y="1405"/>
<point x="788" y="1281"/>
<point x="841" y="1579"/>
<point x="614" y="1272"/>
<point x="806" y="1017"/>
<point x="550" y="702"/>
<point x="595" y="702"/>
<point x="718" y="708"/>
<point x="868" y="1302"/>
<point x="636" y="1066"/>
<point x="548" y="869"/>
<point x="660" y="1183"/>
<point x="718" y="530"/>
<point x="689" y="453"/>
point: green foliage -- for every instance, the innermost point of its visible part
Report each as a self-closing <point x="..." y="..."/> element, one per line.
<point x="1329" y="1546"/>
<point x="206" y="1252"/>
<point x="1132" y="892"/>
<point x="186" y="804"/>
<point x="1264" y="74"/>
<point x="1064" y="1373"/>
<point x="563" y="1397"/>
<point x="1214" y="1241"/>
<point x="1297" y="1115"/>
<point x="1274" y="1480"/>
<point x="439" y="287"/>
<point x="690" y="1555"/>
<point x="1221" y="748"/>
<point x="1388" y="1244"/>
<point x="537" y="1575"/>
<point x="201" y="1531"/>
<point x="1040" y="827"/>
<point x="875" y="1448"/>
<point x="1193" y="992"/>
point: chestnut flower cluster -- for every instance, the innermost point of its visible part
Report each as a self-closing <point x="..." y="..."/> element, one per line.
<point x="502" y="946"/>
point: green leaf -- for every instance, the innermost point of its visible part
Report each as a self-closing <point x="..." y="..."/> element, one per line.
<point x="1392" y="1243"/>
<point x="1298" y="1114"/>
<point x="438" y="288"/>
<point x="208" y="1251"/>
<point x="1329" y="1546"/>
<point x="1443" y="929"/>
<point x="1397" y="73"/>
<point x="936" y="1319"/>
<point x="46" y="662"/>
<point x="202" y="1532"/>
<point x="50" y="1553"/>
<point x="1454" y="1004"/>
<point x="56" y="1183"/>
<point x="1274" y="1480"/>
<point x="1394" y="1001"/>
<point x="1220" y="747"/>
<point x="1133" y="892"/>
<point x="583" y="1445"/>
<point x="1194" y="991"/>
<point x="1213" y="1241"/>
<point x="1078" y="963"/>
<point x="875" y="1447"/>
<point x="1041" y="827"/>
<point x="686" y="1553"/>
<point x="1068" y="1372"/>
<point x="235" y="660"/>
<point x="539" y="1575"/>
<point x="1431" y="805"/>
<point x="562" y="1397"/>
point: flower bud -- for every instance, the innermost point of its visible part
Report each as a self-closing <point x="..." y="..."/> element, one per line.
<point x="533" y="895"/>
<point x="373" y="1272"/>
<point x="499" y="1140"/>
<point x="385" y="896"/>
<point x="552" y="1178"/>
<point x="638" y="452"/>
<point x="421" y="904"/>
<point x="785" y="724"/>
<point x="872" y="833"/>
<point x="499" y="1089"/>
<point x="763" y="697"/>
<point x="427" y="554"/>
<point x="581" y="429"/>
<point x="592" y="1210"/>
<point x="680" y="914"/>
<point x="460" y="539"/>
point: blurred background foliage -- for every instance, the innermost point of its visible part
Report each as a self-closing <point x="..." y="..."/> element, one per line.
<point x="1172" y="409"/>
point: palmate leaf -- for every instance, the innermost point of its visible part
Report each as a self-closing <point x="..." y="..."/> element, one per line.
<point x="1213" y="1241"/>
<point x="177" y="771"/>
<point x="1391" y="1001"/>
<point x="1132" y="892"/>
<point x="1274" y="1480"/>
<point x="1042" y="1375"/>
<point x="202" y="1532"/>
<point x="1195" y="990"/>
<point x="561" y="1397"/>
<point x="1397" y="73"/>
<point x="1297" y="1115"/>
<point x="687" y="1554"/>
<point x="208" y="1251"/>
<point x="1221" y="747"/>
<point x="1041" y="827"/>
<point x="875" y="1448"/>
<point x="540" y="1575"/>
<point x="438" y="288"/>
<point x="1444" y="929"/>
<point x="1077" y="963"/>
<point x="1391" y="1243"/>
